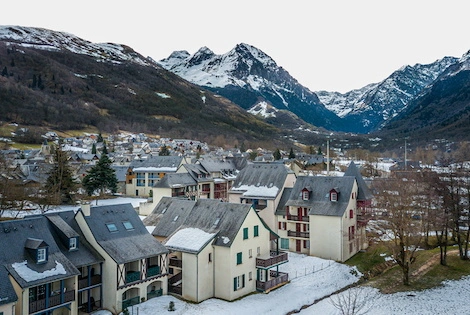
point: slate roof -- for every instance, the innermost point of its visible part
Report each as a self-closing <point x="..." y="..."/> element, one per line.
<point x="209" y="215"/>
<point x="158" y="161"/>
<point x="213" y="166"/>
<point x="15" y="234"/>
<point x="174" y="180"/>
<point x="7" y="293"/>
<point x="122" y="245"/>
<point x="364" y="192"/>
<point x="262" y="175"/>
<point x="281" y="207"/>
<point x="120" y="171"/>
<point x="64" y="222"/>
<point x="319" y="202"/>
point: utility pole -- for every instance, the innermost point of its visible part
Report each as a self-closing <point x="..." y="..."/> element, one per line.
<point x="327" y="157"/>
<point x="405" y="157"/>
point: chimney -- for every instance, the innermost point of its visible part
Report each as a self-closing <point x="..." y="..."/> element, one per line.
<point x="86" y="208"/>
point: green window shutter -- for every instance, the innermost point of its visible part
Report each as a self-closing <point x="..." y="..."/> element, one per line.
<point x="235" y="284"/>
<point x="256" y="231"/>
<point x="239" y="258"/>
<point x="243" y="280"/>
<point x="245" y="233"/>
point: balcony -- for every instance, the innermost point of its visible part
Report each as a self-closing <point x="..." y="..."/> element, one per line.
<point x="155" y="293"/>
<point x="153" y="271"/>
<point x="175" y="262"/>
<point x="129" y="302"/>
<point x="272" y="261"/>
<point x="297" y="218"/>
<point x="298" y="234"/>
<point x="94" y="280"/>
<point x="132" y="276"/>
<point x="53" y="301"/>
<point x="277" y="278"/>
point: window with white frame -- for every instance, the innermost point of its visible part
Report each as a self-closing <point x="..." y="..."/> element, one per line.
<point x="72" y="243"/>
<point x="41" y="255"/>
<point x="238" y="282"/>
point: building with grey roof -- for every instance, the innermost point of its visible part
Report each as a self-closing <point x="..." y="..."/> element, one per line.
<point x="135" y="263"/>
<point x="319" y="217"/>
<point x="207" y="240"/>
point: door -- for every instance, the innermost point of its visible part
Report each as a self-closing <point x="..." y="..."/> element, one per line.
<point x="298" y="245"/>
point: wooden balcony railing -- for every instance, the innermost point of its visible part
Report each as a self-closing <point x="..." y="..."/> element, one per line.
<point x="85" y="282"/>
<point x="175" y="278"/>
<point x="271" y="261"/>
<point x="298" y="234"/>
<point x="297" y="218"/>
<point x="40" y="305"/>
<point x="175" y="262"/>
<point x="277" y="278"/>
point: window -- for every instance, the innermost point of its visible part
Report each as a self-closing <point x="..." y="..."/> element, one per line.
<point x="238" y="282"/>
<point x="284" y="243"/>
<point x="128" y="225"/>
<point x="256" y="231"/>
<point x="72" y="243"/>
<point x="250" y="253"/>
<point x="171" y="270"/>
<point x="258" y="251"/>
<point x="351" y="213"/>
<point x="239" y="258"/>
<point x="245" y="233"/>
<point x="250" y="277"/>
<point x="111" y="227"/>
<point x="351" y="232"/>
<point x="210" y="257"/>
<point x="42" y="255"/>
<point x="306" y="244"/>
<point x="305" y="194"/>
<point x="333" y="196"/>
<point x="284" y="225"/>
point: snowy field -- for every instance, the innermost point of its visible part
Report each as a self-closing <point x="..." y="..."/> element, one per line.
<point x="315" y="278"/>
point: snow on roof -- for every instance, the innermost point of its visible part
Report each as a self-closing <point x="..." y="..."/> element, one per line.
<point x="189" y="239"/>
<point x="29" y="275"/>
<point x="257" y="191"/>
<point x="155" y="169"/>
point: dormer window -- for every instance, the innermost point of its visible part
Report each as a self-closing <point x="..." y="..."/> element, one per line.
<point x="334" y="195"/>
<point x="73" y="243"/>
<point x="305" y="194"/>
<point x="41" y="255"/>
<point x="128" y="225"/>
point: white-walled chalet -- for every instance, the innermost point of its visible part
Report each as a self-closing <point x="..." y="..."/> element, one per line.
<point x="217" y="249"/>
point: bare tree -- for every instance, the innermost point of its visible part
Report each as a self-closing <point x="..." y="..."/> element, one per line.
<point x="355" y="301"/>
<point x="401" y="229"/>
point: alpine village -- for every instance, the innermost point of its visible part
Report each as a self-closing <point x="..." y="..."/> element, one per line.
<point x="126" y="180"/>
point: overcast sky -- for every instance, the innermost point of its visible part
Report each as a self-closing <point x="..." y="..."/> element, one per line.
<point x="326" y="45"/>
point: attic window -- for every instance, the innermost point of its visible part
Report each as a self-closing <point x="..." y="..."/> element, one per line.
<point x="73" y="243"/>
<point x="216" y="222"/>
<point x="333" y="195"/>
<point x="305" y="194"/>
<point x="41" y="256"/>
<point x="176" y="218"/>
<point x="111" y="227"/>
<point x="128" y="225"/>
<point x="164" y="210"/>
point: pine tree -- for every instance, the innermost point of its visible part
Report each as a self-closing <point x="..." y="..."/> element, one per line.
<point x="100" y="138"/>
<point x="60" y="184"/>
<point x="105" y="149"/>
<point x="5" y="72"/>
<point x="277" y="154"/>
<point x="291" y="154"/>
<point x="93" y="148"/>
<point x="100" y="177"/>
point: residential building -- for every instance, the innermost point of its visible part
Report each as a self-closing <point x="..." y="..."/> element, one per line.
<point x="261" y="185"/>
<point x="217" y="249"/>
<point x="142" y="174"/>
<point x="318" y="217"/>
<point x="135" y="263"/>
<point x="35" y="276"/>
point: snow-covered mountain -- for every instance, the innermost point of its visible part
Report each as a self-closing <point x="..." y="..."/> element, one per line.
<point x="40" y="38"/>
<point x="248" y="77"/>
<point x="366" y="109"/>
